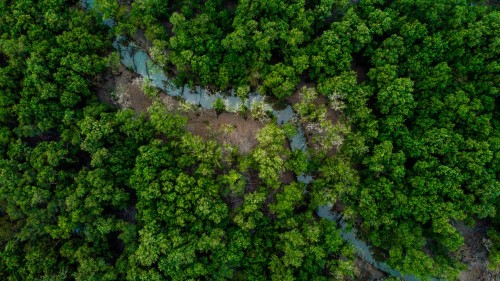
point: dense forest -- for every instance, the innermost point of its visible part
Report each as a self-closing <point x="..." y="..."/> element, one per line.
<point x="399" y="101"/>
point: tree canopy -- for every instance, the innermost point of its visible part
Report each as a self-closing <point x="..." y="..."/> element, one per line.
<point x="399" y="101"/>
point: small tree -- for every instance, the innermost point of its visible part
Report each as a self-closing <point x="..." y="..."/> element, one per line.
<point x="219" y="106"/>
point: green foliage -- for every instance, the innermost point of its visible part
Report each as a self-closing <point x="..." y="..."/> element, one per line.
<point x="92" y="194"/>
<point x="325" y="134"/>
<point x="266" y="43"/>
<point x="431" y="147"/>
<point x="492" y="245"/>
<point x="270" y="156"/>
<point x="219" y="106"/>
<point x="148" y="89"/>
<point x="407" y="140"/>
<point x="180" y="212"/>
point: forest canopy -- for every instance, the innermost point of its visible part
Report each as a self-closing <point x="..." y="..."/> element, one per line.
<point x="399" y="102"/>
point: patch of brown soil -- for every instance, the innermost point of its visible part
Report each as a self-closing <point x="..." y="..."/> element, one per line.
<point x="295" y="97"/>
<point x="231" y="5"/>
<point x="228" y="128"/>
<point x="135" y="99"/>
<point x="234" y="202"/>
<point x="338" y="206"/>
<point x="366" y="272"/>
<point x="478" y="272"/>
<point x="474" y="253"/>
<point x="123" y="90"/>
<point x="106" y="85"/>
<point x="271" y="199"/>
<point x="474" y="249"/>
<point x="288" y="177"/>
<point x="167" y="25"/>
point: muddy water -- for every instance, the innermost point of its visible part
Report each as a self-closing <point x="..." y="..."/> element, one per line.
<point x="136" y="59"/>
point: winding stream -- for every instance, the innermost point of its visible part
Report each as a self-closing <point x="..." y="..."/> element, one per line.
<point x="136" y="59"/>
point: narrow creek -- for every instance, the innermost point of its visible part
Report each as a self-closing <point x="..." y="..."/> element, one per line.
<point x="137" y="59"/>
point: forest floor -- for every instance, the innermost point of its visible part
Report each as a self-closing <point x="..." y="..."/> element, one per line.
<point x="311" y="132"/>
<point x="227" y="128"/>
<point x="474" y="253"/>
<point x="123" y="89"/>
<point x="367" y="272"/>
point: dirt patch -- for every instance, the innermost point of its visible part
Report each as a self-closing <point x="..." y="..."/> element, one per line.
<point x="478" y="272"/>
<point x="366" y="272"/>
<point x="171" y="103"/>
<point x="338" y="206"/>
<point x="473" y="249"/>
<point x="105" y="84"/>
<point x="474" y="253"/>
<point x="122" y="89"/>
<point x="234" y="202"/>
<point x="167" y="25"/>
<point x="135" y="98"/>
<point x="227" y="128"/>
<point x="295" y="97"/>
<point x="288" y="177"/>
<point x="231" y="5"/>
